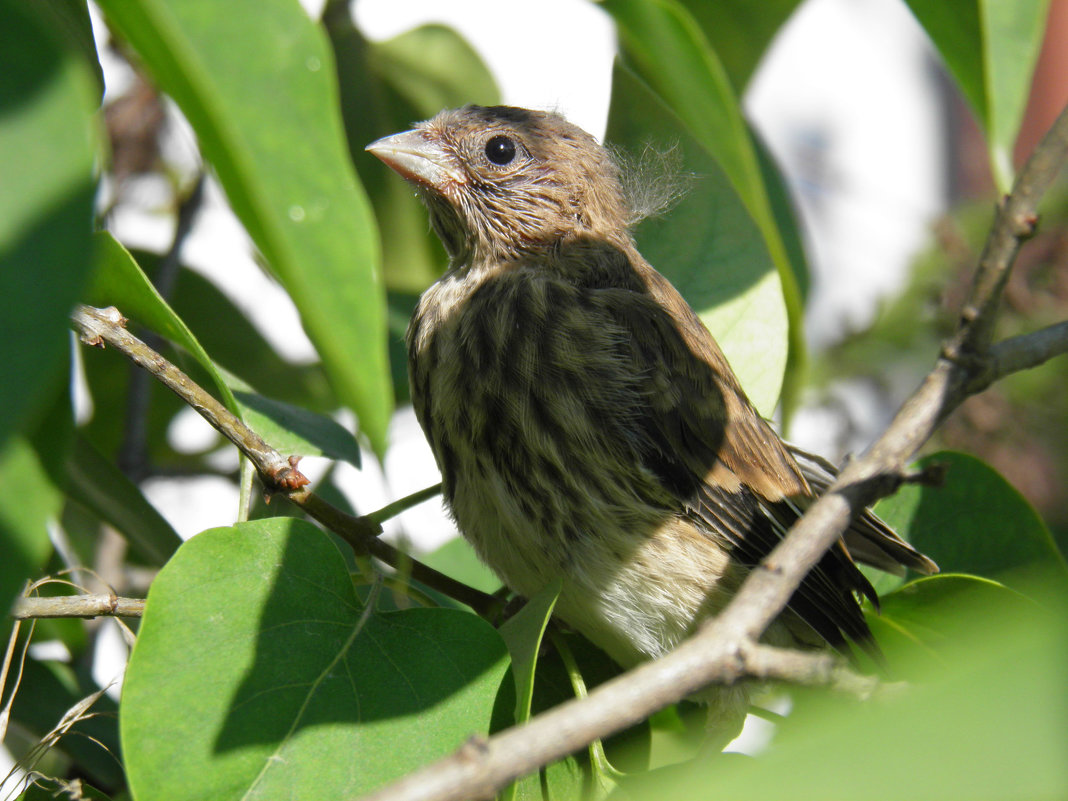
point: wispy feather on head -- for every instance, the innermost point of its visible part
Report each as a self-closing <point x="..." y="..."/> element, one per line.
<point x="653" y="181"/>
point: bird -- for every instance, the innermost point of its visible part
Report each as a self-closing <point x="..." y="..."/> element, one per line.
<point x="587" y="426"/>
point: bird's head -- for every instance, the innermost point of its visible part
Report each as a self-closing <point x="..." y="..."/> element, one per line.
<point x="502" y="181"/>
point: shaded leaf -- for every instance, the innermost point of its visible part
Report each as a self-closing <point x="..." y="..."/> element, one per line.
<point x="667" y="49"/>
<point x="708" y="246"/>
<point x="293" y="431"/>
<point x="47" y="148"/>
<point x="256" y="81"/>
<point x="740" y="31"/>
<point x="119" y="281"/>
<point x="97" y="484"/>
<point x="254" y="675"/>
<point x="975" y="523"/>
<point x="385" y="87"/>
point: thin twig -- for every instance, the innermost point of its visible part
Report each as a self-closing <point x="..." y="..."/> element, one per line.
<point x="96" y="605"/>
<point x="726" y="648"/>
<point x="279" y="474"/>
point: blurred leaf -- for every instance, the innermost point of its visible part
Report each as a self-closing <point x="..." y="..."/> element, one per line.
<point x="985" y="721"/>
<point x="100" y="486"/>
<point x="47" y="148"/>
<point x="119" y="281"/>
<point x="434" y="68"/>
<point x="708" y="246"/>
<point x="917" y="622"/>
<point x="976" y="523"/>
<point x="306" y="698"/>
<point x="457" y="559"/>
<point x="990" y="48"/>
<point x="668" y="51"/>
<point x="740" y="31"/>
<point x="69" y="20"/>
<point x="23" y="534"/>
<point x="385" y="88"/>
<point x="293" y="431"/>
<point x="256" y="81"/>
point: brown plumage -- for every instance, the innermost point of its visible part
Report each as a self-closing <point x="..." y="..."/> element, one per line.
<point x="586" y="424"/>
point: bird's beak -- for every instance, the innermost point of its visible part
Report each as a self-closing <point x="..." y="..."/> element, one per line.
<point x="418" y="159"/>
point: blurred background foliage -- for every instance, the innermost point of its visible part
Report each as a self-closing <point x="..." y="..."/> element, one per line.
<point x="280" y="104"/>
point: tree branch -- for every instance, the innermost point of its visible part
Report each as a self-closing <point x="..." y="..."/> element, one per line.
<point x="726" y="647"/>
<point x="280" y="475"/>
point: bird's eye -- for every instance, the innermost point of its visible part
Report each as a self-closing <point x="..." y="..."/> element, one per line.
<point x="500" y="150"/>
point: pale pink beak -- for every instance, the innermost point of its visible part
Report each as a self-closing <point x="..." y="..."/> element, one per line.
<point x="417" y="159"/>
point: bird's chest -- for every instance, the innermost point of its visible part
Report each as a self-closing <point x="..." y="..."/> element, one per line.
<point x="522" y="404"/>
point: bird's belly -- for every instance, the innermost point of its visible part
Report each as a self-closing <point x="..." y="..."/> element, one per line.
<point x="634" y="590"/>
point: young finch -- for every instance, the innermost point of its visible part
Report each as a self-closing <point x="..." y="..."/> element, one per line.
<point x="586" y="424"/>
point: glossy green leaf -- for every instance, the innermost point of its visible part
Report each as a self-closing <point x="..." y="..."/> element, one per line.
<point x="256" y="675"/>
<point x="96" y="483"/>
<point x="47" y="148"/>
<point x="990" y="48"/>
<point x="667" y="49"/>
<point x="975" y="523"/>
<point x="119" y="281"/>
<point x="707" y="245"/>
<point x="256" y="81"/>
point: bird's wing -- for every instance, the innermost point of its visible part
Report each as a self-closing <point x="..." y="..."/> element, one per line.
<point x="706" y="444"/>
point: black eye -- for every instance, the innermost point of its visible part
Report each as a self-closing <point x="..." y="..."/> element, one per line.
<point x="500" y="150"/>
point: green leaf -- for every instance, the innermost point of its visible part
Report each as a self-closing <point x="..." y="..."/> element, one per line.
<point x="293" y="431"/>
<point x="984" y="721"/>
<point x="385" y="87"/>
<point x="256" y="675"/>
<point x="740" y="31"/>
<point x="256" y="81"/>
<point x="96" y="483"/>
<point x="119" y="281"/>
<point x="23" y="533"/>
<point x="918" y="620"/>
<point x="990" y="48"/>
<point x="708" y="246"/>
<point x="523" y="634"/>
<point x="667" y="49"/>
<point x="457" y="559"/>
<point x="70" y="21"/>
<point x="975" y="523"/>
<point x="47" y="148"/>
